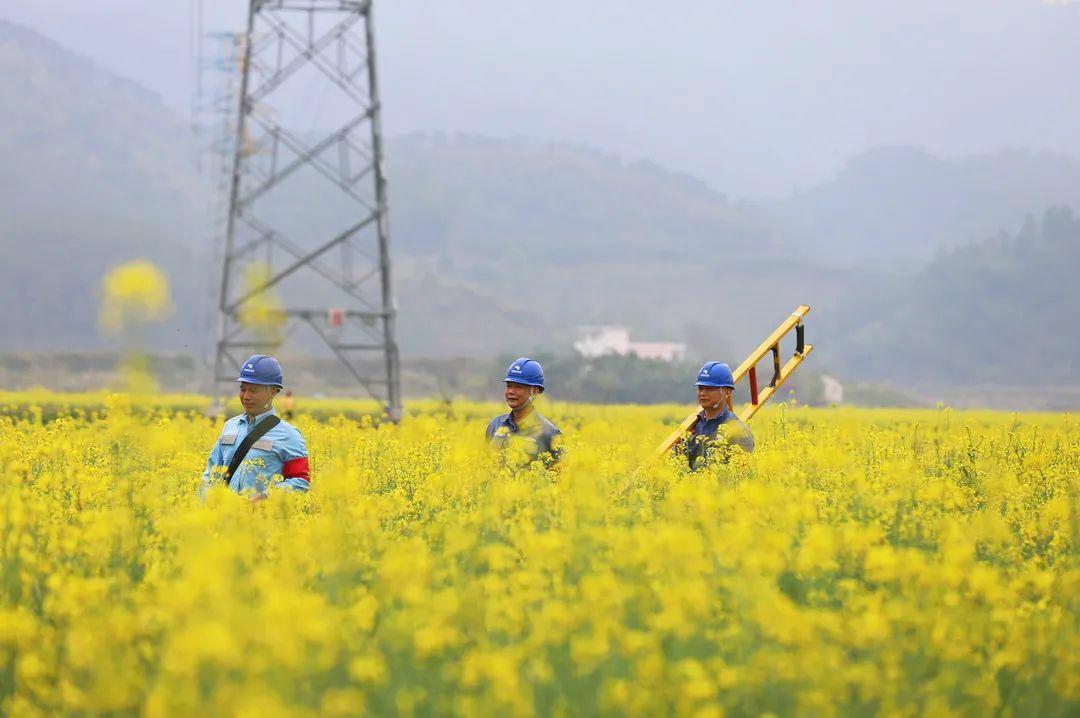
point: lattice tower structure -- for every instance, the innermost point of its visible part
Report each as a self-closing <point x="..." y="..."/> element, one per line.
<point x="215" y="115"/>
<point x="307" y="238"/>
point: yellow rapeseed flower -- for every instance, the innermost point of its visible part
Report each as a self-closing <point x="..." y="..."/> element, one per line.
<point x="842" y="569"/>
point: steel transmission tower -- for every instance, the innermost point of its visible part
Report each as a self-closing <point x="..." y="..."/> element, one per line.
<point x="214" y="122"/>
<point x="306" y="240"/>
<point x="214" y="116"/>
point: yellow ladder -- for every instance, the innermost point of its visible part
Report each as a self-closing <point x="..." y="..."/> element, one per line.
<point x="749" y="369"/>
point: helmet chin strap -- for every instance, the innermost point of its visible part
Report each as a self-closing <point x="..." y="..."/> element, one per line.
<point x="268" y="405"/>
<point x="723" y="402"/>
<point x="527" y="402"/>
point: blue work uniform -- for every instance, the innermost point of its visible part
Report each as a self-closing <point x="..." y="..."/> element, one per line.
<point x="703" y="437"/>
<point x="280" y="452"/>
<point x="535" y="436"/>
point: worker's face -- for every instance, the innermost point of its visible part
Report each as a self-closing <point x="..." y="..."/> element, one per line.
<point x="712" y="397"/>
<point x="517" y="395"/>
<point x="256" y="398"/>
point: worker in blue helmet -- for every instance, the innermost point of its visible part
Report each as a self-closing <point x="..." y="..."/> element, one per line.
<point x="523" y="428"/>
<point x="717" y="428"/>
<point x="256" y="450"/>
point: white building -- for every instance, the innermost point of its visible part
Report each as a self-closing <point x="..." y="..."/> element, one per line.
<point x="596" y="342"/>
<point x="832" y="390"/>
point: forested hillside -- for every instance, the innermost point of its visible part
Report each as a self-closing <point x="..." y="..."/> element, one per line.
<point x="998" y="311"/>
<point x="94" y="170"/>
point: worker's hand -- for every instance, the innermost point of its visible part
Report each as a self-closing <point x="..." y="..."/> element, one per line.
<point x="257" y="497"/>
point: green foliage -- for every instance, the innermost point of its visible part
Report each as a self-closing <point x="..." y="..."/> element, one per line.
<point x="616" y="379"/>
<point x="630" y="380"/>
<point x="1001" y="310"/>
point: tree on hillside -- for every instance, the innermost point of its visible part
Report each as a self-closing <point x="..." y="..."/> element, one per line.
<point x="1000" y="310"/>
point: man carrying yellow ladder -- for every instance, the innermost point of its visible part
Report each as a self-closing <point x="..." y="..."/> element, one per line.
<point x="714" y="386"/>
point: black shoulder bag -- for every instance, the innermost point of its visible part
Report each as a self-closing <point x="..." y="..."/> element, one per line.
<point x="257" y="433"/>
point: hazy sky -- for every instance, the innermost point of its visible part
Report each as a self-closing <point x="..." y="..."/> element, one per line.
<point x="756" y="97"/>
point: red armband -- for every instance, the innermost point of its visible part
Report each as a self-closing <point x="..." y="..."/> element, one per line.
<point x="296" y="469"/>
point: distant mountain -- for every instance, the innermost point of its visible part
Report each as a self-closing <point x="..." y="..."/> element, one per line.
<point x="1000" y="311"/>
<point x="505" y="246"/>
<point x="94" y="170"/>
<point x="561" y="202"/>
<point x="499" y="245"/>
<point x="513" y="243"/>
<point x="553" y="236"/>
<point x="901" y="204"/>
<point x="109" y="140"/>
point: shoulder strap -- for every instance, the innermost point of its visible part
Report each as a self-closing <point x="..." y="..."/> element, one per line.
<point x="256" y="433"/>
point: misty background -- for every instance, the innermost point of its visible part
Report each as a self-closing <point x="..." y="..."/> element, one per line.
<point x="692" y="172"/>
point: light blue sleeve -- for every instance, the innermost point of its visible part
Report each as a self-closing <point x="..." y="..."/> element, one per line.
<point x="293" y="447"/>
<point x="213" y="461"/>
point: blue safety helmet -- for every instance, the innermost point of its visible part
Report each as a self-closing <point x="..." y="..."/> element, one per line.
<point x="526" y="371"/>
<point x="715" y="373"/>
<point x="261" y="369"/>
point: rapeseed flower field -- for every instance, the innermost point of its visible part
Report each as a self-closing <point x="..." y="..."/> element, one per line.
<point x="860" y="562"/>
